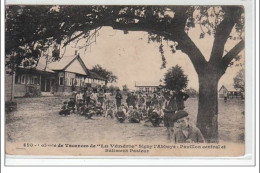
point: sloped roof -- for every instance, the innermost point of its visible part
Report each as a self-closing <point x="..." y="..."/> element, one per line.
<point x="228" y="87"/>
<point x="40" y="67"/>
<point x="71" y="64"/>
<point x="231" y="88"/>
<point x="62" y="63"/>
<point x="222" y="87"/>
<point x="66" y="64"/>
<point x="148" y="83"/>
<point x="94" y="76"/>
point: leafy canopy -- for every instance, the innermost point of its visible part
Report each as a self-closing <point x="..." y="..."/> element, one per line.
<point x="108" y="75"/>
<point x="239" y="80"/>
<point x="32" y="30"/>
<point x="175" y="79"/>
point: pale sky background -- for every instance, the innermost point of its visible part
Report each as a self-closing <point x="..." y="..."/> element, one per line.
<point x="131" y="58"/>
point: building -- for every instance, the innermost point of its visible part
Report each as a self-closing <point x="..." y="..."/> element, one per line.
<point x="58" y="78"/>
<point x="147" y="86"/>
<point x="72" y="74"/>
<point x="231" y="92"/>
<point x="9" y="85"/>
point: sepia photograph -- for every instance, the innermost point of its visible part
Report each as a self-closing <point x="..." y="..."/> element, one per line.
<point x="125" y="80"/>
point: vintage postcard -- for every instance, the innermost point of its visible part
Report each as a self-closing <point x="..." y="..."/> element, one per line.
<point x="121" y="80"/>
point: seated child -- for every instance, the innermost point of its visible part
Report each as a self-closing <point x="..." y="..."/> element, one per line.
<point x="83" y="109"/>
<point x="130" y="111"/>
<point x="110" y="111"/>
<point x="150" y="110"/>
<point x="158" y="111"/>
<point x="89" y="111"/>
<point x="183" y="132"/>
<point x="71" y="105"/>
<point x="99" y="109"/>
<point x="133" y="116"/>
<point x="64" y="109"/>
<point x="156" y="116"/>
<point x="121" y="114"/>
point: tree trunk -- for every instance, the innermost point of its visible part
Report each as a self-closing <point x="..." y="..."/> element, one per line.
<point x="207" y="119"/>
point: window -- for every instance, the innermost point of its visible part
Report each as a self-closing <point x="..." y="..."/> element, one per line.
<point x="36" y="81"/>
<point x="61" y="80"/>
<point x="22" y="79"/>
<point x="70" y="81"/>
<point x="28" y="79"/>
<point x="17" y="79"/>
<point x="32" y="79"/>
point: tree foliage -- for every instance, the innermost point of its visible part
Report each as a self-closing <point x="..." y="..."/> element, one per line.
<point x="112" y="89"/>
<point x="32" y="30"/>
<point x="106" y="74"/>
<point x="175" y="79"/>
<point x="239" y="80"/>
<point x="191" y="92"/>
<point x="125" y="88"/>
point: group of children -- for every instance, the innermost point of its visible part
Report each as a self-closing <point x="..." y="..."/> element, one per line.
<point x="155" y="109"/>
<point x="83" y="103"/>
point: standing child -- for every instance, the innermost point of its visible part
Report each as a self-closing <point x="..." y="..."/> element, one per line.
<point x="169" y="110"/>
<point x="118" y="98"/>
<point x="180" y="98"/>
<point x="79" y="96"/>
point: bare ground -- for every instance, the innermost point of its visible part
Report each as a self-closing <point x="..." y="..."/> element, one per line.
<point x="37" y="120"/>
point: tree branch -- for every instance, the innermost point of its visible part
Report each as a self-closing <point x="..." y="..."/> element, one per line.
<point x="223" y="31"/>
<point x="186" y="45"/>
<point x="226" y="60"/>
<point x="77" y="36"/>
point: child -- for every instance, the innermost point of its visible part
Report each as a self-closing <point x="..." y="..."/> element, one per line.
<point x="79" y="96"/>
<point x="89" y="111"/>
<point x="133" y="116"/>
<point x="183" y="132"/>
<point x="130" y="111"/>
<point x="108" y="102"/>
<point x="99" y="109"/>
<point x="80" y="106"/>
<point x="156" y="116"/>
<point x="110" y="111"/>
<point x="121" y="114"/>
<point x="71" y="105"/>
<point x="64" y="109"/>
<point x="101" y="97"/>
<point x="158" y="110"/>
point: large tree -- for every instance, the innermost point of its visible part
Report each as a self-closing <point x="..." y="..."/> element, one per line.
<point x="30" y="30"/>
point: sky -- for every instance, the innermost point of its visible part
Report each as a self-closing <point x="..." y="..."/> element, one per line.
<point x="131" y="58"/>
